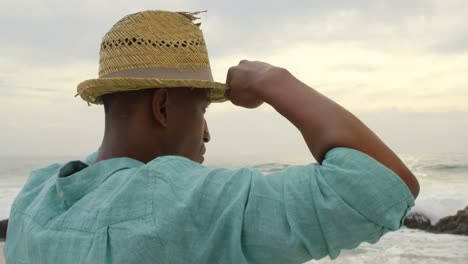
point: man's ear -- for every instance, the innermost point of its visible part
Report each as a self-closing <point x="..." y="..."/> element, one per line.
<point x="160" y="103"/>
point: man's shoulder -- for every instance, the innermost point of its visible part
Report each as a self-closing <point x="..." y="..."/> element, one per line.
<point x="39" y="183"/>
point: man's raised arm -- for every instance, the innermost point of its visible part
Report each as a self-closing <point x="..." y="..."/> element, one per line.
<point x="323" y="123"/>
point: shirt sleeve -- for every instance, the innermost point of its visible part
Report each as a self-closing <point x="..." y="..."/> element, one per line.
<point x="309" y="212"/>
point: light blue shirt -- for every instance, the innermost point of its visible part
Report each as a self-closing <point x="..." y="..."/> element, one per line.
<point x="173" y="210"/>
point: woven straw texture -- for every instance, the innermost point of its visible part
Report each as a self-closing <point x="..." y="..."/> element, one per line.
<point x="156" y="40"/>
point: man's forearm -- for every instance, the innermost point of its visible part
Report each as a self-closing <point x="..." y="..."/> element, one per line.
<point x="325" y="124"/>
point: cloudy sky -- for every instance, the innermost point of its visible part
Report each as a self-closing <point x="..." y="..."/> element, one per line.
<point x="400" y="66"/>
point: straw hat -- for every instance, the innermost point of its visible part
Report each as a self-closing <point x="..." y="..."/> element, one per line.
<point x="152" y="49"/>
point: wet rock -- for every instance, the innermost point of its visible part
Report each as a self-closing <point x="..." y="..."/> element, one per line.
<point x="3" y="229"/>
<point x="455" y="224"/>
<point x="417" y="221"/>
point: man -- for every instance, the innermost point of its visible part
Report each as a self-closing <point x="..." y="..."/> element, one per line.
<point x="146" y="198"/>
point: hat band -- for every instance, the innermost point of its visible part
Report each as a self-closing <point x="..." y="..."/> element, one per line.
<point x="202" y="74"/>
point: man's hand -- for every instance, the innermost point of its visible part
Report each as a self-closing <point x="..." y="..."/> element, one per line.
<point x="244" y="80"/>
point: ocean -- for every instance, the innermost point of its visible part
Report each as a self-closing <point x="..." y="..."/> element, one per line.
<point x="444" y="190"/>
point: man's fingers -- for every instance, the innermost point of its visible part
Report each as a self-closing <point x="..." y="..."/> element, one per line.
<point x="229" y="75"/>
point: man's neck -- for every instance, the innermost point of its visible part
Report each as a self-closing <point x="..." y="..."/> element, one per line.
<point x="122" y="143"/>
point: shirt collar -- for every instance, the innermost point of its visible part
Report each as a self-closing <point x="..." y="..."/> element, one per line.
<point x="76" y="178"/>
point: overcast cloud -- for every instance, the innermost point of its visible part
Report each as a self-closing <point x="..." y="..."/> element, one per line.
<point x="396" y="64"/>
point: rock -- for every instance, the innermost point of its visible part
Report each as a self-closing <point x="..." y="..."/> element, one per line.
<point x="417" y="221"/>
<point x="3" y="229"/>
<point x="455" y="224"/>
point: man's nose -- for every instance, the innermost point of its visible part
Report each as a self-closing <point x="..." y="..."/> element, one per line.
<point x="206" y="133"/>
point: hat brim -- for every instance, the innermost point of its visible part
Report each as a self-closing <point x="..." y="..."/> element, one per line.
<point x="92" y="90"/>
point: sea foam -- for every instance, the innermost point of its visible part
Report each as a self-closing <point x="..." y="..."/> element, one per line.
<point x="438" y="200"/>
